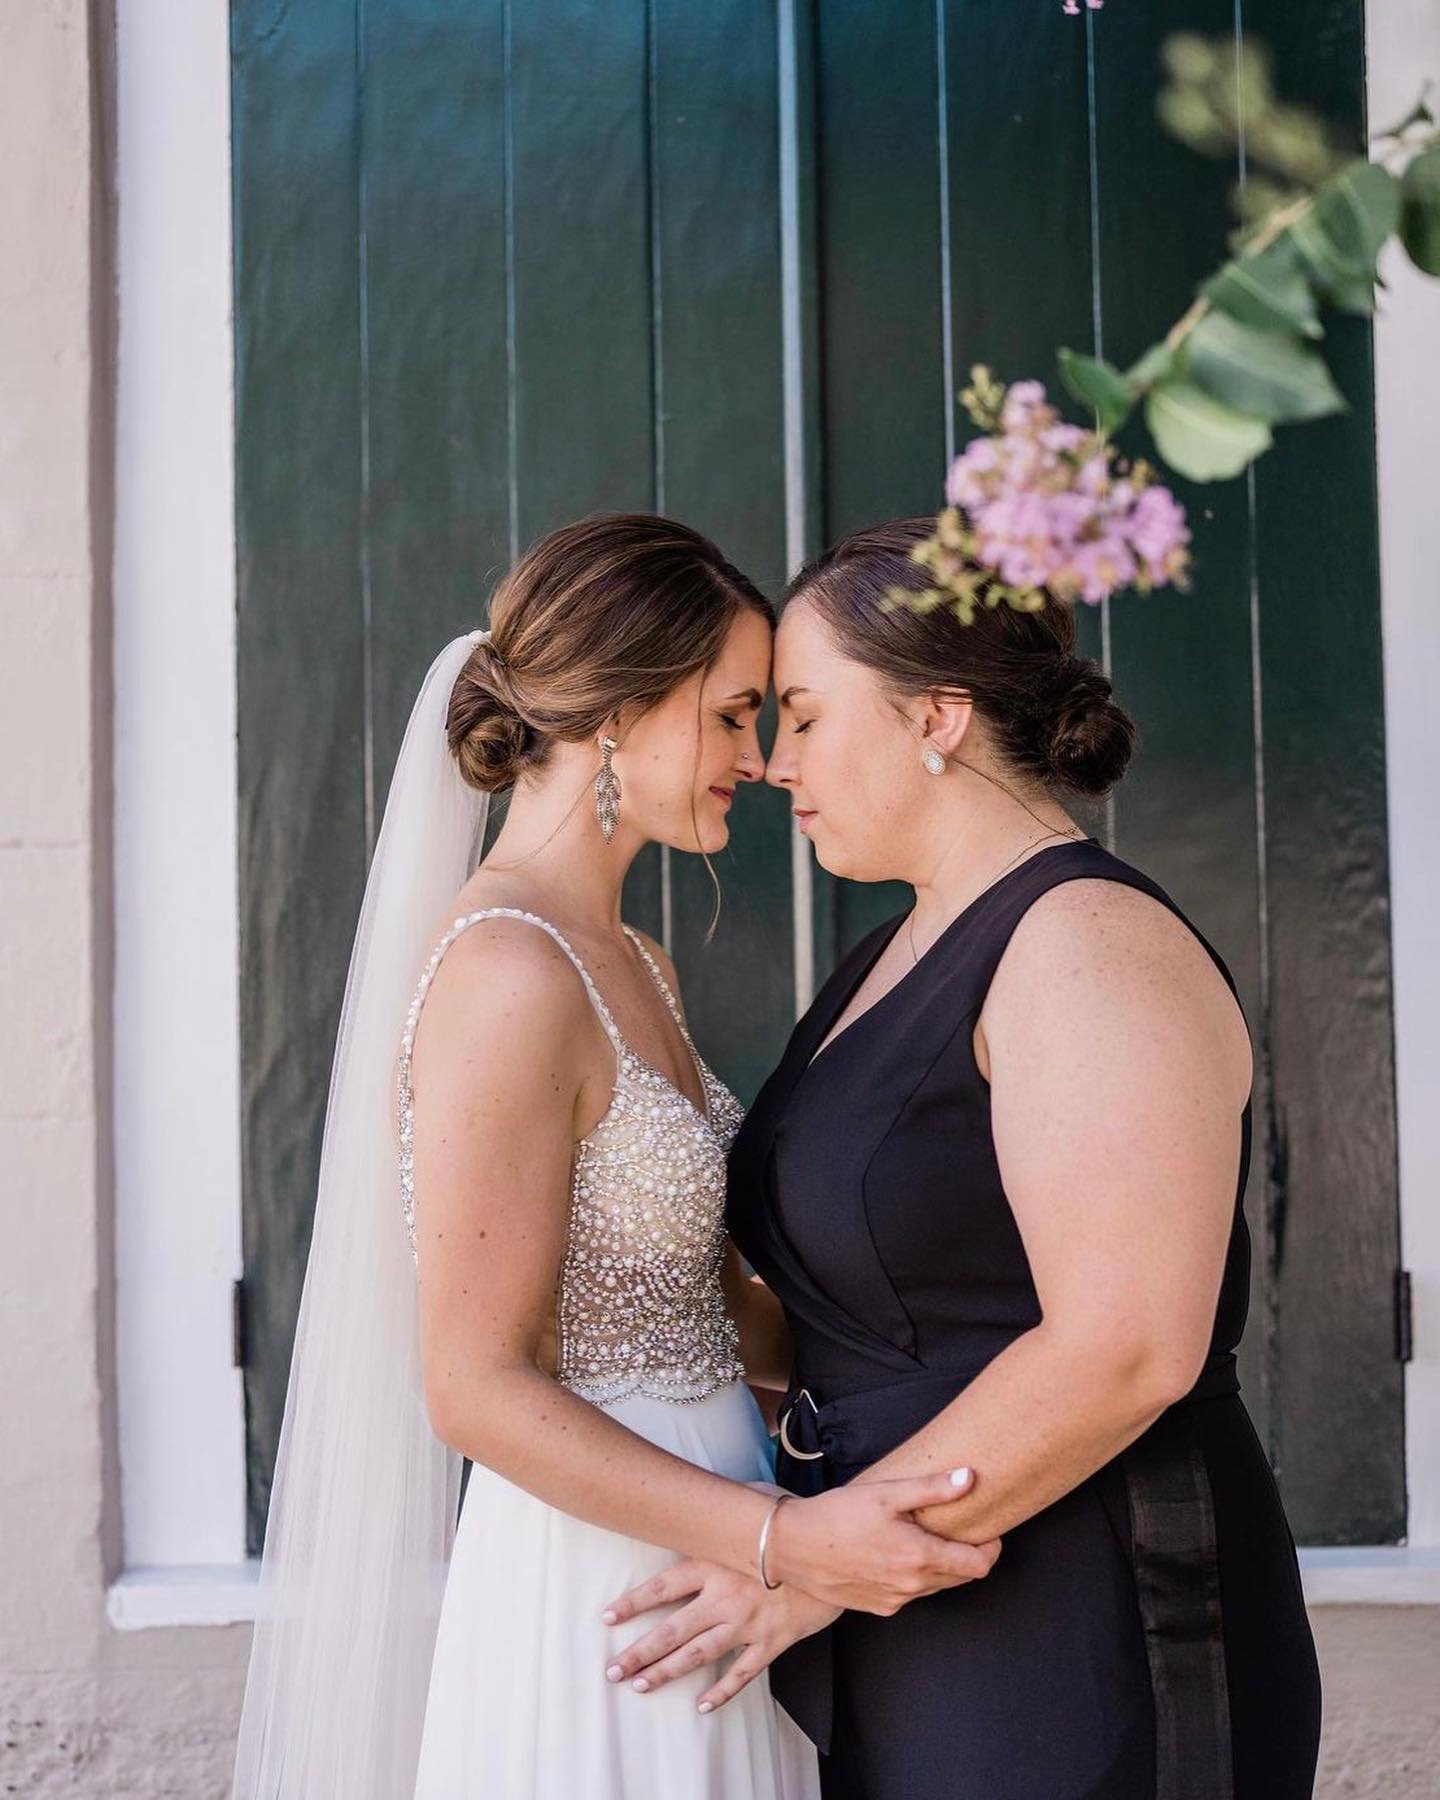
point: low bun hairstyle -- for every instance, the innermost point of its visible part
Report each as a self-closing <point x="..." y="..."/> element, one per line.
<point x="611" y="612"/>
<point x="1049" y="712"/>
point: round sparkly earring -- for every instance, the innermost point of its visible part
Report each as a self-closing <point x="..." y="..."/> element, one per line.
<point x="934" y="760"/>
<point x="607" y="791"/>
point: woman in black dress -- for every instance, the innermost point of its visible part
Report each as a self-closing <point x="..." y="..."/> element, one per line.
<point x="996" y="1185"/>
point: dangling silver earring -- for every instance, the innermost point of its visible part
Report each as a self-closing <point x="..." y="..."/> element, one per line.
<point x="607" y="791"/>
<point x="934" y="760"/>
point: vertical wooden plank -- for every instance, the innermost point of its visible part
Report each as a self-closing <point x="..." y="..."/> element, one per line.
<point x="300" y="640"/>
<point x="581" y="255"/>
<point x="1022" y="272"/>
<point x="434" y="356"/>
<point x="1339" y="1389"/>
<point x="1182" y="665"/>
<point x="716" y="318"/>
<point x="883" y="414"/>
<point x="578" y="219"/>
<point x="1021" y="261"/>
<point x="882" y="343"/>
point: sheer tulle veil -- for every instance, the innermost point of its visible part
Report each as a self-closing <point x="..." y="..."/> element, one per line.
<point x="364" y="1501"/>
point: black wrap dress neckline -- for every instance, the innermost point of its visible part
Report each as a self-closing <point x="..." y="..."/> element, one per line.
<point x="848" y="993"/>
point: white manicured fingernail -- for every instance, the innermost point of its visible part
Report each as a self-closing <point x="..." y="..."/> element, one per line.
<point x="614" y="1672"/>
<point x="958" y="1477"/>
<point x="608" y="1616"/>
<point x="640" y="1685"/>
<point x="707" y="1706"/>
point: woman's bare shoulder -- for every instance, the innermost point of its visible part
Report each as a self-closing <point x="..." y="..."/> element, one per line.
<point x="1115" y="925"/>
<point x="1092" y="949"/>
<point x="501" y="971"/>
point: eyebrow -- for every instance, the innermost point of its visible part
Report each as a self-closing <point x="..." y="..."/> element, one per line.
<point x="751" y="696"/>
<point x="791" y="692"/>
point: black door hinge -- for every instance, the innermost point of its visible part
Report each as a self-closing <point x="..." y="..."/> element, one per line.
<point x="237" y="1324"/>
<point x="1404" y="1317"/>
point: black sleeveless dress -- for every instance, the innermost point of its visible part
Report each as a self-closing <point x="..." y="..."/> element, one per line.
<point x="1143" y="1638"/>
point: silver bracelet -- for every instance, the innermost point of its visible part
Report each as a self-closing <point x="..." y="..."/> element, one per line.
<point x="765" y="1580"/>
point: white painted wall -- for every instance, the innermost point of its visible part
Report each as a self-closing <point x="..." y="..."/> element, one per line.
<point x="1404" y="46"/>
<point x="176" y="1028"/>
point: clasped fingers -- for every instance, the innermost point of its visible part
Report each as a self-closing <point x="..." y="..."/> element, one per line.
<point x="936" y="1563"/>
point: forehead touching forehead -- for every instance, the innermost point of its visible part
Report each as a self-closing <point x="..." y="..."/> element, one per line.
<point x="742" y="669"/>
<point x="808" y="663"/>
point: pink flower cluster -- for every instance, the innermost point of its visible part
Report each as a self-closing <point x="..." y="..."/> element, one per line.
<point x="1049" y="509"/>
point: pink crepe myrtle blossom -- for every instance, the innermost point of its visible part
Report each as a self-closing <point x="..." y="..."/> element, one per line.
<point x="1045" y="504"/>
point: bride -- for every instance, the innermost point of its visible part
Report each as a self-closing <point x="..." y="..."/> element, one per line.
<point x="519" y="1259"/>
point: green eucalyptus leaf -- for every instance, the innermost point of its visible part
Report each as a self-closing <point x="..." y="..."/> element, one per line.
<point x="1261" y="373"/>
<point x="1344" y="289"/>
<point x="1094" y="383"/>
<point x="1420" y="211"/>
<point x="1359" y="208"/>
<point x="1268" y="292"/>
<point x="1341" y="235"/>
<point x="1199" y="437"/>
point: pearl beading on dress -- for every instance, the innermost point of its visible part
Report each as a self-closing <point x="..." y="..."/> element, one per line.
<point x="641" y="1307"/>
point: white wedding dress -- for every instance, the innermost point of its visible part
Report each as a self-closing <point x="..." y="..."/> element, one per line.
<point x="518" y="1706"/>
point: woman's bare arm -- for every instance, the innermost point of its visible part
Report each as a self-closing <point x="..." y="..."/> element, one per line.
<point x="510" y="1067"/>
<point x="1119" y="1069"/>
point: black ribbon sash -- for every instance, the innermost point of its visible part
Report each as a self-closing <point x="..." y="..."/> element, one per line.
<point x="827" y="1442"/>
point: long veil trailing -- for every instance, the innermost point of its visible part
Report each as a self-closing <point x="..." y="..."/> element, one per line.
<point x="364" y="1501"/>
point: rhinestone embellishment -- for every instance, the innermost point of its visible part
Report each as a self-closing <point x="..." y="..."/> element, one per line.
<point x="641" y="1308"/>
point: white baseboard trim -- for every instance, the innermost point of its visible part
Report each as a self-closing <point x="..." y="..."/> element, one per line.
<point x="225" y="1593"/>
<point x="193" y="1594"/>
<point x="1372" y="1575"/>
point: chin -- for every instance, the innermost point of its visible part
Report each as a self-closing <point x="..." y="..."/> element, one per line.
<point x="711" y="840"/>
<point x="833" y="859"/>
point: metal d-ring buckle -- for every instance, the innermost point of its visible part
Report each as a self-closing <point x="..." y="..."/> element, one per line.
<point x="786" y="1445"/>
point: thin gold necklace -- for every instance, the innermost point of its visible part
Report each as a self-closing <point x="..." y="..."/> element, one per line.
<point x="1072" y="837"/>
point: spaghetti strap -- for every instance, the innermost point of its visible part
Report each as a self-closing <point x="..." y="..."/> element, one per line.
<point x="405" y="1097"/>
<point x="528" y="918"/>
<point x="668" y="995"/>
<point x="666" y="992"/>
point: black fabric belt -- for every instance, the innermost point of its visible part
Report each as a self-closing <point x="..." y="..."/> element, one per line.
<point x="825" y="1443"/>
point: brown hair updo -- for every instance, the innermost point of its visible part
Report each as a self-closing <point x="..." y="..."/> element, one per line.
<point x="1048" y="711"/>
<point x="613" y="611"/>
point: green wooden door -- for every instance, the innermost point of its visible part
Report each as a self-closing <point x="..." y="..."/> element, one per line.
<point x="500" y="265"/>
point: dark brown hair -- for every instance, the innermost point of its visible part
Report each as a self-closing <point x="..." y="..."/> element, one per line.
<point x="1049" y="712"/>
<point x="611" y="612"/>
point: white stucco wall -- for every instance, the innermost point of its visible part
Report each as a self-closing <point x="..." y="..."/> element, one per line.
<point x="83" y="1708"/>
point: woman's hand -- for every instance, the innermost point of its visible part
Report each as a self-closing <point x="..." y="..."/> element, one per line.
<point x="858" y="1546"/>
<point x="724" y="1611"/>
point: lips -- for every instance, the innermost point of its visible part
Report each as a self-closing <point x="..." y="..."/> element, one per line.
<point x="803" y="817"/>
<point x="725" y="794"/>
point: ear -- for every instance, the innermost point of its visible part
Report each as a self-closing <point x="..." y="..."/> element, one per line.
<point x="942" y="718"/>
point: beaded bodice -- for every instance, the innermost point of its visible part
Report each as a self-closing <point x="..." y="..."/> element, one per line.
<point x="640" y="1309"/>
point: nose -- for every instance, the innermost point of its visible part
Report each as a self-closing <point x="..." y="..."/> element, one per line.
<point x="750" y="762"/>
<point x="780" y="771"/>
